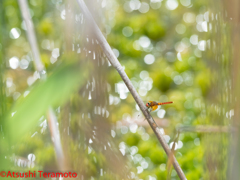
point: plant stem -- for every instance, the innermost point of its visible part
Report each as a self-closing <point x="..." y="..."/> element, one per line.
<point x="115" y="63"/>
<point x="51" y="117"/>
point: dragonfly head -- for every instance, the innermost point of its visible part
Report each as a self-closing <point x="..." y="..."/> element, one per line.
<point x="148" y="105"/>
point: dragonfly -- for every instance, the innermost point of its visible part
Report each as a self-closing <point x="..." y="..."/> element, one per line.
<point x="153" y="105"/>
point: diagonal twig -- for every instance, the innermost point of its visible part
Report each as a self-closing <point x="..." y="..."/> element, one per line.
<point x="173" y="152"/>
<point x="115" y="63"/>
<point x="206" y="129"/>
<point x="51" y="117"/>
<point x="31" y="34"/>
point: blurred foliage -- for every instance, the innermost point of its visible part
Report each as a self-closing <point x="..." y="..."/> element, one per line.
<point x="63" y="81"/>
<point x="179" y="73"/>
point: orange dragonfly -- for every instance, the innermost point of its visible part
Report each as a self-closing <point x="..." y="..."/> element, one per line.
<point x="152" y="105"/>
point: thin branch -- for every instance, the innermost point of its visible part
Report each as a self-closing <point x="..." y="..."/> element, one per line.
<point x="52" y="122"/>
<point x="51" y="117"/>
<point x="115" y="63"/>
<point x="205" y="129"/>
<point x="31" y="34"/>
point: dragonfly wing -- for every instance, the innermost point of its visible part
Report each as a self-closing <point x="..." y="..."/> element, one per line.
<point x="154" y="108"/>
<point x="150" y="102"/>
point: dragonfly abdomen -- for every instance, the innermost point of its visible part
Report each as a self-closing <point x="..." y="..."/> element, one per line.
<point x="165" y="103"/>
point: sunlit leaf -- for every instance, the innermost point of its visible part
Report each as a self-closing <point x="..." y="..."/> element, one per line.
<point x="52" y="92"/>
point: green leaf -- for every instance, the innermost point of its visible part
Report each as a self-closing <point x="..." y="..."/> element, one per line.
<point x="53" y="91"/>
